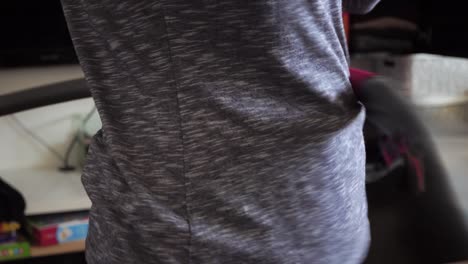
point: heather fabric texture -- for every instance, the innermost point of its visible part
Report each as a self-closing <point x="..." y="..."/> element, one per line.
<point x="230" y="132"/>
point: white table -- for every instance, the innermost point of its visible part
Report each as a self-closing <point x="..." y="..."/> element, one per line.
<point x="48" y="190"/>
<point x="453" y="150"/>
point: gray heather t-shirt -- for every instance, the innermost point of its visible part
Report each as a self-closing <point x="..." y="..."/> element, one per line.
<point x="230" y="131"/>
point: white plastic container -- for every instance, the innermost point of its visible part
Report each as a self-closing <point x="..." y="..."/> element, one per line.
<point x="421" y="75"/>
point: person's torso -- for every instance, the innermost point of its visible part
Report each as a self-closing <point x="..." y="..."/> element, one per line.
<point x="230" y="132"/>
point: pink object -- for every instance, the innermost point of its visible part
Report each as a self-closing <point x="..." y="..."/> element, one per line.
<point x="46" y="236"/>
<point x="357" y="77"/>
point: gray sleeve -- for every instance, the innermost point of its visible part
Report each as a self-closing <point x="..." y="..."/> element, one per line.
<point x="359" y="6"/>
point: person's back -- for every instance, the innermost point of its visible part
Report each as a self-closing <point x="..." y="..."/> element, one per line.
<point x="230" y="132"/>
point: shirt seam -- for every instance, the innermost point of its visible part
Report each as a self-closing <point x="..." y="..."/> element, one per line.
<point x="177" y="86"/>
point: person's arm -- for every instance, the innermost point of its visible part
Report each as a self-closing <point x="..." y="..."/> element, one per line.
<point x="436" y="221"/>
<point x="359" y="6"/>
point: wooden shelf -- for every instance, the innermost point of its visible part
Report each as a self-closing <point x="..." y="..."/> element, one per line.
<point x="70" y="247"/>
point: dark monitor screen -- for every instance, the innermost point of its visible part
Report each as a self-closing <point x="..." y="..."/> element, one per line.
<point x="34" y="32"/>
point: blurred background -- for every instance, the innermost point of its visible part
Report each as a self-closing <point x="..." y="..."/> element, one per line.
<point x="417" y="182"/>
